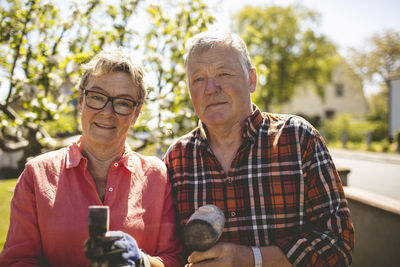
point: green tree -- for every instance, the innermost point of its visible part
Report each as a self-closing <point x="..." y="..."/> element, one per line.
<point x="378" y="105"/>
<point x="376" y="60"/>
<point x="287" y="49"/>
<point x="379" y="57"/>
<point x="41" y="49"/>
<point x="39" y="53"/>
<point x="171" y="25"/>
<point x="378" y="113"/>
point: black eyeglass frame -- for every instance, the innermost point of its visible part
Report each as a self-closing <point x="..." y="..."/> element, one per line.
<point x="110" y="99"/>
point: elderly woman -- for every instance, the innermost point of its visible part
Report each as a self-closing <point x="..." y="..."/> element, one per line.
<point x="49" y="210"/>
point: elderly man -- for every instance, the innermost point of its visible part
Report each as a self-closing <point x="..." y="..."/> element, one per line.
<point x="271" y="174"/>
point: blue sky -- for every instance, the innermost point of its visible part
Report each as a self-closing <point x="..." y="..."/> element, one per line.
<point x="348" y="23"/>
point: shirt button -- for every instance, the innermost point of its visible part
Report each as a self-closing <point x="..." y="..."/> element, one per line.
<point x="116" y="164"/>
<point x="233" y="213"/>
<point x="110" y="189"/>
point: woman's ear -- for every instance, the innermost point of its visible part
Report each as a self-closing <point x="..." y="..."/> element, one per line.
<point x="136" y="114"/>
<point x="80" y="100"/>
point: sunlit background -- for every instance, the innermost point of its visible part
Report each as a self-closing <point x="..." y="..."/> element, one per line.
<point x="349" y="23"/>
<point x="334" y="62"/>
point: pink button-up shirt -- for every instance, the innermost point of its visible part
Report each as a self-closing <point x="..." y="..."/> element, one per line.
<point x="49" y="210"/>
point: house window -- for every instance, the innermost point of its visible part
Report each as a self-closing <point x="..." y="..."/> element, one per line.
<point x="329" y="114"/>
<point x="339" y="90"/>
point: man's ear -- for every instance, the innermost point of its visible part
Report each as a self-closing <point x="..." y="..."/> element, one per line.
<point x="253" y="79"/>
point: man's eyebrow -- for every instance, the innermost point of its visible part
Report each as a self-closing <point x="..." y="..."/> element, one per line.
<point x="223" y="67"/>
<point x="196" y="71"/>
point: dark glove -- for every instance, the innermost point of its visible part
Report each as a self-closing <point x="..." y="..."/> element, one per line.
<point x="116" y="248"/>
<point x="131" y="254"/>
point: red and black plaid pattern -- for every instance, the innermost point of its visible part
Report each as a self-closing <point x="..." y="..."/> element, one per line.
<point x="282" y="189"/>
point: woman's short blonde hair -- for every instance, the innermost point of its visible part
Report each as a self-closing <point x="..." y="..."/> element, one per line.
<point x="114" y="60"/>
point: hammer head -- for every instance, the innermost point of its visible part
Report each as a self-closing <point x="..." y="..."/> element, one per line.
<point x="98" y="220"/>
<point x="204" y="228"/>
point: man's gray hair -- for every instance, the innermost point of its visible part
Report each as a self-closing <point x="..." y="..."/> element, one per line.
<point x="206" y="40"/>
<point x="115" y="60"/>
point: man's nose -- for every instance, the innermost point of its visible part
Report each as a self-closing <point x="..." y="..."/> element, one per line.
<point x="212" y="85"/>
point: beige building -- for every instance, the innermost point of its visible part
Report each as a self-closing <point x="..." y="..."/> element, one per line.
<point x="394" y="106"/>
<point x="343" y="95"/>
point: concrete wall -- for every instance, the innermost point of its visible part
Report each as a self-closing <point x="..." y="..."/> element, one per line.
<point x="376" y="221"/>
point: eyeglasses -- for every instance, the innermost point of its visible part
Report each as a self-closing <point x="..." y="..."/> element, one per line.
<point x="121" y="106"/>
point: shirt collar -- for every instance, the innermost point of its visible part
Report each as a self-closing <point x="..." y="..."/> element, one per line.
<point x="201" y="136"/>
<point x="74" y="156"/>
<point x="128" y="159"/>
<point x="252" y="124"/>
<point x="250" y="128"/>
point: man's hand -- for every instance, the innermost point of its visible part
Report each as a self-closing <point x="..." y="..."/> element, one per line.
<point x="222" y="254"/>
<point x="229" y="254"/>
<point x="116" y="248"/>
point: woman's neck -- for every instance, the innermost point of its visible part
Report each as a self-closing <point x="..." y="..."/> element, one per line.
<point x="100" y="158"/>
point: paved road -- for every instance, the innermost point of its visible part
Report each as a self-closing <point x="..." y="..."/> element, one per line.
<point x="375" y="172"/>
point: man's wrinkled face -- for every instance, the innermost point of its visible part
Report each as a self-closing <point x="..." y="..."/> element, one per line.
<point x="220" y="86"/>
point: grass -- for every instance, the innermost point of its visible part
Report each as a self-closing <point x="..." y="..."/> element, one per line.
<point x="383" y="146"/>
<point x="6" y="193"/>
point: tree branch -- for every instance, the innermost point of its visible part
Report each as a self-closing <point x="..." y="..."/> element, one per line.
<point x="7" y="146"/>
<point x="18" y="50"/>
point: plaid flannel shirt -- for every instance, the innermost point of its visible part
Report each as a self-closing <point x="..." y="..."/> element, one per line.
<point x="282" y="189"/>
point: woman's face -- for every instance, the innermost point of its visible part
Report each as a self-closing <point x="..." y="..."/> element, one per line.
<point x="104" y="126"/>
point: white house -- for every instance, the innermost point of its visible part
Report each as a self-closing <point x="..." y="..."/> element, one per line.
<point x="343" y="95"/>
<point x="394" y="104"/>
